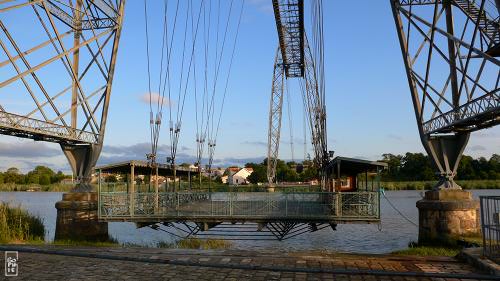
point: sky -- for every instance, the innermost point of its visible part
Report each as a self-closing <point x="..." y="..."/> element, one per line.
<point x="369" y="109"/>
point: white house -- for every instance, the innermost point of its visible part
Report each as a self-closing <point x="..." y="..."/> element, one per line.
<point x="240" y="177"/>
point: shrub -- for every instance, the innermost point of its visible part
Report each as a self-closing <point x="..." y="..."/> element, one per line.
<point x="17" y="225"/>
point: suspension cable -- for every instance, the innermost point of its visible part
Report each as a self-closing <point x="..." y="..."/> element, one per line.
<point x="218" y="60"/>
<point x="228" y="75"/>
<point x="149" y="84"/>
<point x="206" y="122"/>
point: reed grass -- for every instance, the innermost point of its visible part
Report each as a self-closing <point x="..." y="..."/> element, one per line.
<point x="56" y="187"/>
<point x="195" y="243"/>
<point x="111" y="242"/>
<point x="18" y="226"/>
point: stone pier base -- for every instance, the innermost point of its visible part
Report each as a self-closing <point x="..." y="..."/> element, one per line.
<point x="77" y="218"/>
<point x="445" y="215"/>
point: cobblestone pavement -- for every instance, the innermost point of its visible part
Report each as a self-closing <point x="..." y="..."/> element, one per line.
<point x="58" y="263"/>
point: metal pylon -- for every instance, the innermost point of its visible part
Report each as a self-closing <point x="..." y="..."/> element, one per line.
<point x="62" y="73"/>
<point x="275" y="113"/>
<point x="315" y="109"/>
<point x="450" y="51"/>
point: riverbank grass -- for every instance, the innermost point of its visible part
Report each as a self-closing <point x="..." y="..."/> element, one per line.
<point x="195" y="243"/>
<point x="18" y="226"/>
<point x="110" y="243"/>
<point x="428" y="251"/>
<point x="449" y="248"/>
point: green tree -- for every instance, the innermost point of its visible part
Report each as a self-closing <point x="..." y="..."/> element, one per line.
<point x="416" y="167"/>
<point x="309" y="173"/>
<point x="43" y="175"/>
<point x="392" y="173"/>
<point x="44" y="179"/>
<point x="12" y="175"/>
<point x="13" y="170"/>
<point x="32" y="178"/>
<point x="259" y="174"/>
<point x="58" y="177"/>
<point x="465" y="169"/>
<point x="494" y="164"/>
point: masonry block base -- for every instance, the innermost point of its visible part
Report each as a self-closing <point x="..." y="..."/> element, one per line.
<point x="77" y="218"/>
<point x="447" y="214"/>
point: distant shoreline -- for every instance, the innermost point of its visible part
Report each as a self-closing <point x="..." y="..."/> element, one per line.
<point x="390" y="186"/>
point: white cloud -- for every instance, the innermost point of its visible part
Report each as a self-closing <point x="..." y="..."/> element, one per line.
<point x="155" y="98"/>
<point x="27" y="149"/>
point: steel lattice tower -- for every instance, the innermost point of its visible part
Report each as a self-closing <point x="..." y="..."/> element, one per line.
<point x="450" y="50"/>
<point x="294" y="59"/>
<point x="62" y="73"/>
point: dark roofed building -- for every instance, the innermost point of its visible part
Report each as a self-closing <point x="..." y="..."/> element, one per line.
<point x="351" y="174"/>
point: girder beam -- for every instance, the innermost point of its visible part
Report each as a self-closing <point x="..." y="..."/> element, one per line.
<point x="93" y="24"/>
<point x="467" y="100"/>
<point x="289" y="15"/>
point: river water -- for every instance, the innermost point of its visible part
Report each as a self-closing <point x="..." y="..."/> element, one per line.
<point x="393" y="233"/>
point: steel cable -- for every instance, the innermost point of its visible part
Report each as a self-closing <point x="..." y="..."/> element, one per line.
<point x="149" y="76"/>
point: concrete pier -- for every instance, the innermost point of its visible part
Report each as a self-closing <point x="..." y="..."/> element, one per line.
<point x="447" y="214"/>
<point x="77" y="218"/>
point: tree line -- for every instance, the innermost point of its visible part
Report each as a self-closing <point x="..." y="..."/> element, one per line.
<point x="418" y="167"/>
<point x="407" y="167"/>
<point x="285" y="171"/>
<point x="40" y="175"/>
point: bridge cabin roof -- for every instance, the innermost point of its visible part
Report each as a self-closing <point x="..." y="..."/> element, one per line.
<point x="344" y="166"/>
<point x="144" y="168"/>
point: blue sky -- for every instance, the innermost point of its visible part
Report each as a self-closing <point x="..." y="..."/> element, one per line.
<point x="368" y="101"/>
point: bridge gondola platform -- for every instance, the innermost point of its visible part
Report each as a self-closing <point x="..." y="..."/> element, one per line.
<point x="195" y="211"/>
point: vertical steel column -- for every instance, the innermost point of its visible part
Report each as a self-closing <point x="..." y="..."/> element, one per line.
<point x="99" y="201"/>
<point x="76" y="59"/>
<point x="83" y="158"/>
<point x="452" y="54"/>
<point x="132" y="189"/>
<point x="157" y="198"/>
<point x="275" y="113"/>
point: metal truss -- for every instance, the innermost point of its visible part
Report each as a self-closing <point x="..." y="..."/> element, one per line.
<point x="22" y="126"/>
<point x="275" y="114"/>
<point x="238" y="231"/>
<point x="316" y="111"/>
<point x="479" y="113"/>
<point x="289" y="16"/>
<point x="450" y="50"/>
<point x="315" y="108"/>
<point x="61" y="74"/>
<point x="294" y="59"/>
<point x="109" y="15"/>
